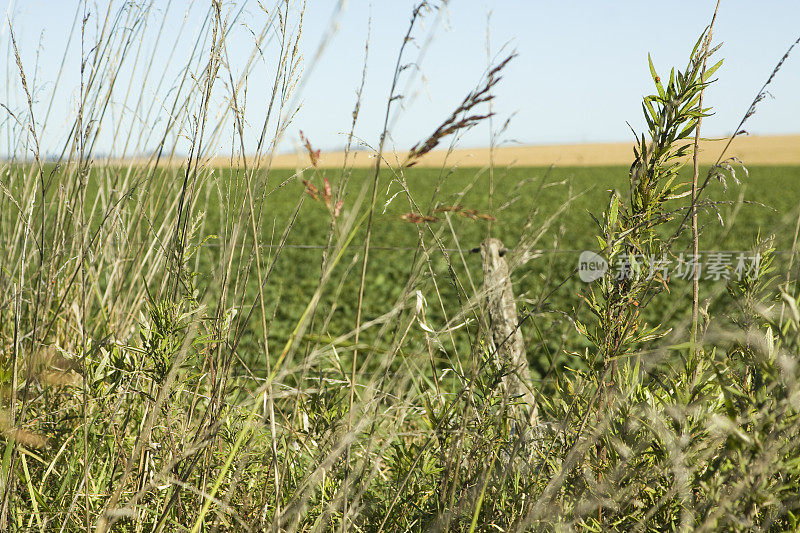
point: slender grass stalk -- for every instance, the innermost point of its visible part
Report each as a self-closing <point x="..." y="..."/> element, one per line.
<point x="695" y="175"/>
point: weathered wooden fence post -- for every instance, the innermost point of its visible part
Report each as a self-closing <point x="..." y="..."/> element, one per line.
<point x="504" y="325"/>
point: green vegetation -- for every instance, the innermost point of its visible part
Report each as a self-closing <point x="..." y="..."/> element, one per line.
<point x="527" y="195"/>
<point x="186" y="348"/>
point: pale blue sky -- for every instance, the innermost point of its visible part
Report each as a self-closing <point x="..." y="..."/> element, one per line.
<point x="580" y="75"/>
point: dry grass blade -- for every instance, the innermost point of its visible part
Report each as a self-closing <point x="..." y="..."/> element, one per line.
<point x="464" y="116"/>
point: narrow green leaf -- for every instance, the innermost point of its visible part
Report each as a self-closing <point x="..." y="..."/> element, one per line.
<point x="713" y="69"/>
<point x="652" y="68"/>
<point x="599" y="225"/>
<point x="656" y="79"/>
<point x="647" y="116"/>
<point x="690" y="105"/>
<point x="650" y="109"/>
<point x="613" y="211"/>
<point x="697" y="44"/>
<point x="687" y="130"/>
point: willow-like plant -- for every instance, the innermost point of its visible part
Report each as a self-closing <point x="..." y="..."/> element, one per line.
<point x="629" y="235"/>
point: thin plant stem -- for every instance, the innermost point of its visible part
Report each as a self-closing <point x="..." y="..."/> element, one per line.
<point x="695" y="177"/>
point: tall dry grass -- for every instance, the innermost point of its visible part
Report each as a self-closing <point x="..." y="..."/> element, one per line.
<point x="127" y="399"/>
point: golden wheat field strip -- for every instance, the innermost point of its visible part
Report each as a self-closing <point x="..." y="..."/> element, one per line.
<point x="753" y="150"/>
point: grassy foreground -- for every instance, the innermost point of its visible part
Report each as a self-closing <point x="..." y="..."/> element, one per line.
<point x="172" y="398"/>
<point x="225" y="349"/>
